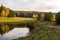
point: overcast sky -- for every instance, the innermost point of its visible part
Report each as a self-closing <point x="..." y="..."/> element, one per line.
<point x="32" y="5"/>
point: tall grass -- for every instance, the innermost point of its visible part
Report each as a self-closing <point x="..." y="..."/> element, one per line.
<point x="44" y="33"/>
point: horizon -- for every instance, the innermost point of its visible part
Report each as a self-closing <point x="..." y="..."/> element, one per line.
<point x="32" y="5"/>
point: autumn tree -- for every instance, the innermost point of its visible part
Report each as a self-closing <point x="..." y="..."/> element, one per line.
<point x="4" y="11"/>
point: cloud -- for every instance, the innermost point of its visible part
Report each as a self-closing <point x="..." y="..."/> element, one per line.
<point x="36" y="5"/>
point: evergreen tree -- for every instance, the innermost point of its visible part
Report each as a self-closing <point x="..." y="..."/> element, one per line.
<point x="58" y="18"/>
<point x="1" y="8"/>
<point x="11" y="14"/>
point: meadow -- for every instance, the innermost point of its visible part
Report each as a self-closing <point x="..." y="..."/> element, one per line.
<point x="14" y="19"/>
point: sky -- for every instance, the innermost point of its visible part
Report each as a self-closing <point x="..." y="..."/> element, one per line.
<point x="33" y="5"/>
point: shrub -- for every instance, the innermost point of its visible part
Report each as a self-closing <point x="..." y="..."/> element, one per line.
<point x="30" y="25"/>
<point x="58" y="18"/>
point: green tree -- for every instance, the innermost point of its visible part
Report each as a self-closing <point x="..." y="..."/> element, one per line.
<point x="39" y="17"/>
<point x="11" y="14"/>
<point x="1" y="8"/>
<point x="58" y="18"/>
<point x="48" y="16"/>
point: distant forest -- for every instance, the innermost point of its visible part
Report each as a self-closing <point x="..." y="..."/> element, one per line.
<point x="6" y="12"/>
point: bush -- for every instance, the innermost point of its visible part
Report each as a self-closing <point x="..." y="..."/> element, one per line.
<point x="30" y="25"/>
<point x="39" y="17"/>
<point x="48" y="16"/>
<point x="58" y="18"/>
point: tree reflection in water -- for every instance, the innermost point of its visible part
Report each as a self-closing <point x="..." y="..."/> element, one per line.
<point x="4" y="28"/>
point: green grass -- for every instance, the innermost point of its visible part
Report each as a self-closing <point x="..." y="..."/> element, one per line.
<point x="44" y="33"/>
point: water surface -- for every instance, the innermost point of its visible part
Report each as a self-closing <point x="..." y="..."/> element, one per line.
<point x="14" y="33"/>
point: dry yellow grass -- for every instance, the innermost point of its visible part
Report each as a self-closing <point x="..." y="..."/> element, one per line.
<point x="14" y="19"/>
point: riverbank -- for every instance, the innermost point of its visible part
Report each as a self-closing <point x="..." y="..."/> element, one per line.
<point x="44" y="33"/>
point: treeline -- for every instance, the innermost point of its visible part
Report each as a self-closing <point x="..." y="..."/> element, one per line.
<point x="47" y="16"/>
<point x="50" y="17"/>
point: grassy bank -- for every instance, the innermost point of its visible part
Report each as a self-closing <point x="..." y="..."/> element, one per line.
<point x="44" y="33"/>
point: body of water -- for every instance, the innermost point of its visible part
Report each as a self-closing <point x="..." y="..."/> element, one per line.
<point x="15" y="33"/>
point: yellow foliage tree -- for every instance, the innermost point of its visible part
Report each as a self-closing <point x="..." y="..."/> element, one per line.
<point x="34" y="15"/>
<point x="18" y="13"/>
<point x="53" y="18"/>
<point x="43" y="15"/>
<point x="4" y="11"/>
